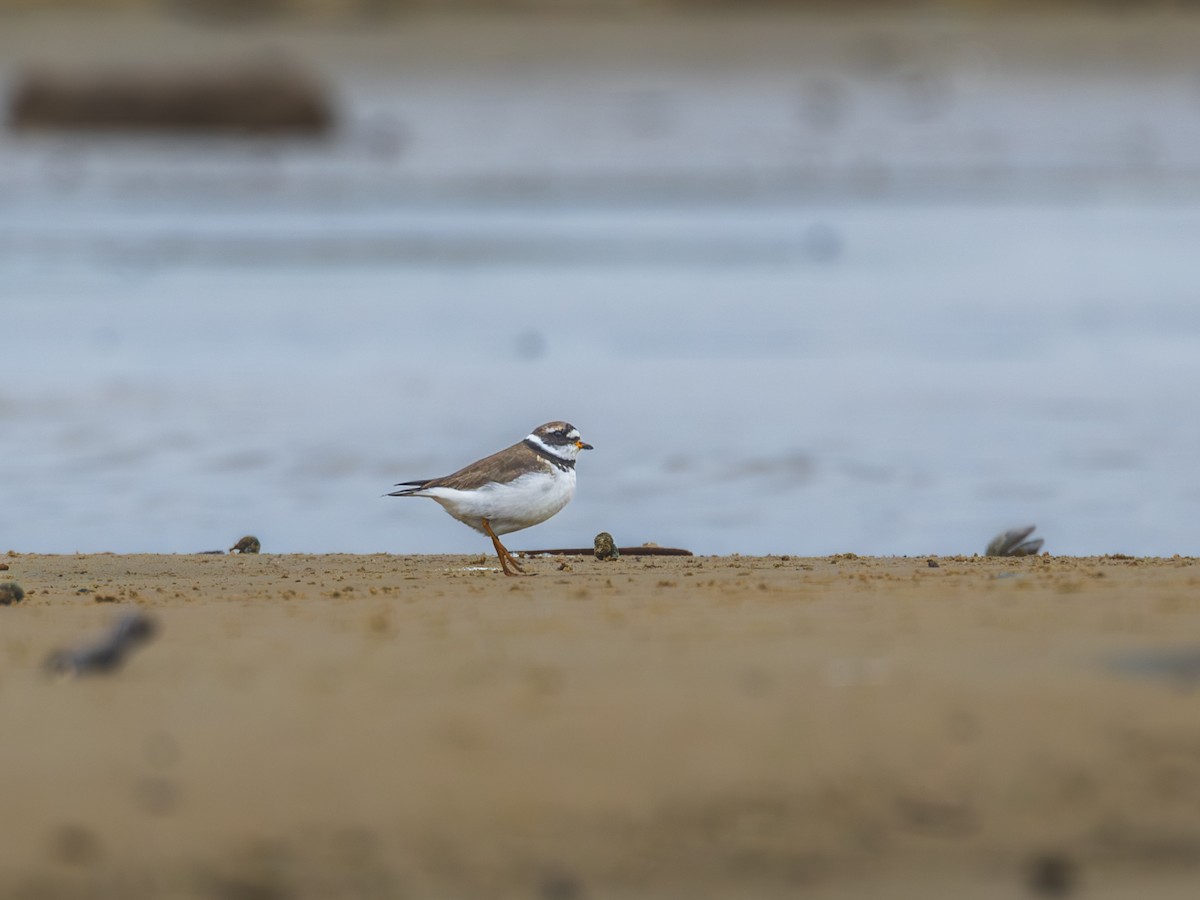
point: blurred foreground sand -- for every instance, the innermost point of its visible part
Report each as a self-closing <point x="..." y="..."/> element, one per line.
<point x="380" y="726"/>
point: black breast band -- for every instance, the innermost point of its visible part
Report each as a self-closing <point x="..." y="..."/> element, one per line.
<point x="558" y="461"/>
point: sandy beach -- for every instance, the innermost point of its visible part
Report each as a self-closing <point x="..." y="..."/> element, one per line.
<point x="909" y="277"/>
<point x="420" y="726"/>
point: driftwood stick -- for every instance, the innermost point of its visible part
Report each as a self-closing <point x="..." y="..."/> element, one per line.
<point x="625" y="551"/>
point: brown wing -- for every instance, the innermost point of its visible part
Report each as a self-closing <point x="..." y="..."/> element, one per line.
<point x="507" y="465"/>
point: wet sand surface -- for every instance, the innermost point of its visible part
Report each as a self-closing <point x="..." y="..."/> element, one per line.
<point x="420" y="726"/>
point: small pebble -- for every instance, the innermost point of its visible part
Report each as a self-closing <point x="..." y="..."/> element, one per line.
<point x="560" y="886"/>
<point x="10" y="592"/>
<point x="248" y="544"/>
<point x="605" y="547"/>
<point x="74" y="845"/>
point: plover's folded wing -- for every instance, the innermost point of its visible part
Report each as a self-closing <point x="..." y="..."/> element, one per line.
<point x="500" y="468"/>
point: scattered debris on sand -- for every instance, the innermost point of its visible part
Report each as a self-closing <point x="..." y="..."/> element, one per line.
<point x="1013" y="543"/>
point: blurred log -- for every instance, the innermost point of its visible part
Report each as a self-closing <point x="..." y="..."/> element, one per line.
<point x="256" y="98"/>
<point x="624" y="551"/>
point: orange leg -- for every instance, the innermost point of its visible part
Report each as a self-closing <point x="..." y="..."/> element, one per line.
<point x="506" y="558"/>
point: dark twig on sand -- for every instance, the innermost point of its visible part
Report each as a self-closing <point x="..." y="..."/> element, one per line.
<point x="624" y="551"/>
<point x="108" y="654"/>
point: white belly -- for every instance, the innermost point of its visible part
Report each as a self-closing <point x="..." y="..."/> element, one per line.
<point x="510" y="507"/>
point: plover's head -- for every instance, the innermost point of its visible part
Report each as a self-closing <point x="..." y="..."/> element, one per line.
<point x="560" y="438"/>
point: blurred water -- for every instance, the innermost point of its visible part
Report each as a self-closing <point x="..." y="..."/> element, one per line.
<point x="806" y="332"/>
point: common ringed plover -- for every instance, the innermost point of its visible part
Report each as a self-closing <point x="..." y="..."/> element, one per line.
<point x="518" y="487"/>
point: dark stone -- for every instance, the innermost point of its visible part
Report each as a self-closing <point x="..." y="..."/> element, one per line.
<point x="605" y="547"/>
<point x="248" y="544"/>
<point x="557" y="885"/>
<point x="1052" y="875"/>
